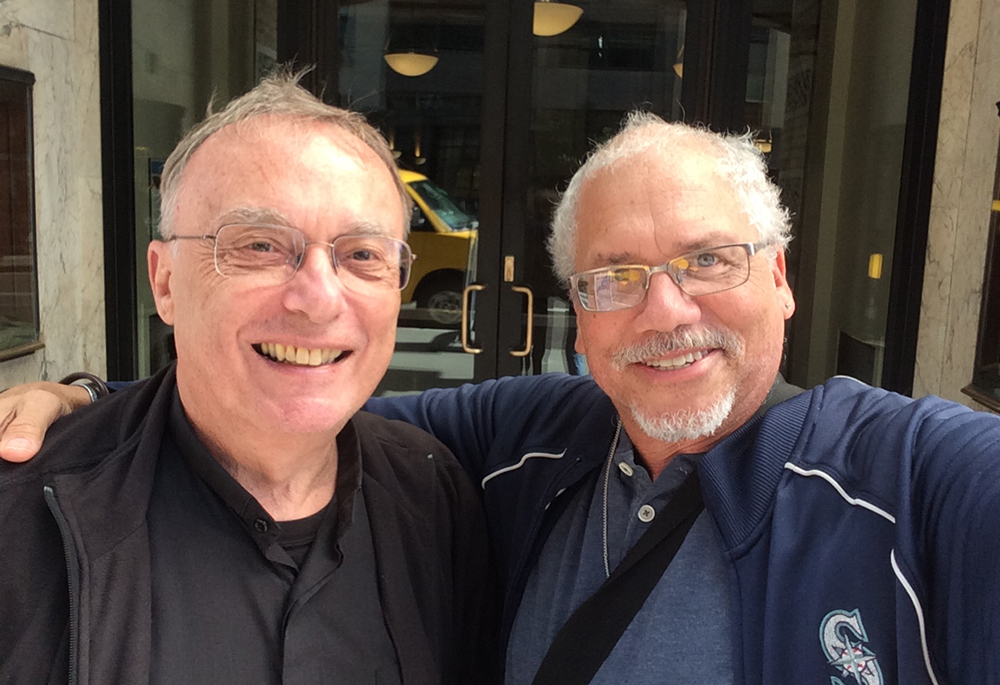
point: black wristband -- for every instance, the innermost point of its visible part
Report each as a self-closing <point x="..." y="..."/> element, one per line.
<point x="94" y="385"/>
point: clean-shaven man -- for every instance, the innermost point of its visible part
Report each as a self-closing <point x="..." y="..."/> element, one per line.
<point x="235" y="518"/>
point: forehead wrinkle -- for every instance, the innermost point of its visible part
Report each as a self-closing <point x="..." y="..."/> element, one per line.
<point x="274" y="217"/>
<point x="253" y="215"/>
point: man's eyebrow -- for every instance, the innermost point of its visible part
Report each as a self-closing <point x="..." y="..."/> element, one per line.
<point x="253" y="215"/>
<point x="617" y="258"/>
<point x="369" y="228"/>
<point x="709" y="240"/>
<point x="713" y="239"/>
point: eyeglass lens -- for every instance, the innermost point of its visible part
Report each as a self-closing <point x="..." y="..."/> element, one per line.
<point x="364" y="264"/>
<point x="699" y="273"/>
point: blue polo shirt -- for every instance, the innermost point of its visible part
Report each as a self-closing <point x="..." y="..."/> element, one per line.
<point x="681" y="633"/>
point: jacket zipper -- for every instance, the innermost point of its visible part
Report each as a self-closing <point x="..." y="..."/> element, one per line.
<point x="72" y="574"/>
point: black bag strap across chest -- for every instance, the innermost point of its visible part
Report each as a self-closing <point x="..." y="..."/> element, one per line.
<point x="586" y="640"/>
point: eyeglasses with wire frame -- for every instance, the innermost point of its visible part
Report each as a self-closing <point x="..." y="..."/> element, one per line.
<point x="702" y="272"/>
<point x="365" y="264"/>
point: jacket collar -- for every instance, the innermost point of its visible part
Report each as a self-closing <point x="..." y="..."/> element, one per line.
<point x="740" y="475"/>
<point x="108" y="502"/>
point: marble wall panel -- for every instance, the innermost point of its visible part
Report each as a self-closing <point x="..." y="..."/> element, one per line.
<point x="57" y="41"/>
<point x="960" y="55"/>
<point x="960" y="205"/>
<point x="932" y="340"/>
<point x="43" y="16"/>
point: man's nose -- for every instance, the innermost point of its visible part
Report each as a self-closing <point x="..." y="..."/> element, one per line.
<point x="666" y="306"/>
<point x="316" y="289"/>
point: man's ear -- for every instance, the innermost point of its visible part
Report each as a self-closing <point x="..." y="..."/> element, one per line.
<point x="160" y="260"/>
<point x="785" y="296"/>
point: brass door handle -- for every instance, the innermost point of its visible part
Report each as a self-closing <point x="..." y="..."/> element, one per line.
<point x="531" y="320"/>
<point x="465" y="318"/>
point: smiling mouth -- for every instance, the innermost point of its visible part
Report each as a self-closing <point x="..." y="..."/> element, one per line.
<point x="299" y="356"/>
<point x="683" y="361"/>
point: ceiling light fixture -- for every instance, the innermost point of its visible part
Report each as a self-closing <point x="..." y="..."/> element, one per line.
<point x="410" y="63"/>
<point x="553" y="18"/>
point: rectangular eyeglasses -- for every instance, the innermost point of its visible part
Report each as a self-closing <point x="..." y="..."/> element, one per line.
<point x="702" y="272"/>
<point x="365" y="264"/>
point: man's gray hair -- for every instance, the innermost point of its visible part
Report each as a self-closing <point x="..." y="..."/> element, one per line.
<point x="278" y="95"/>
<point x="739" y="163"/>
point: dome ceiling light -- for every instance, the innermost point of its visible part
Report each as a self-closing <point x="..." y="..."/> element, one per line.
<point x="553" y="18"/>
<point x="410" y="63"/>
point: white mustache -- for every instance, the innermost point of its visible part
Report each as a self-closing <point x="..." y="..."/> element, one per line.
<point x="685" y="338"/>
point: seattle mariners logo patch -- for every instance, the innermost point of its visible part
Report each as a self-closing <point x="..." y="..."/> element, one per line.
<point x="845" y="643"/>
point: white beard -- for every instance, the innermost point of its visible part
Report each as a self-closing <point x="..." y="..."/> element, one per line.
<point x="684" y="424"/>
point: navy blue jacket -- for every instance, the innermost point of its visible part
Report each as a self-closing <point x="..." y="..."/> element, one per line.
<point x="862" y="527"/>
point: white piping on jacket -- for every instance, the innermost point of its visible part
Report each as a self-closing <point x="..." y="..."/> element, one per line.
<point x="892" y="556"/>
<point x="526" y="457"/>
<point x="920" y="615"/>
<point x="836" y="486"/>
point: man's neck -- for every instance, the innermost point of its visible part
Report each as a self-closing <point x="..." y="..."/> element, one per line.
<point x="289" y="490"/>
<point x="292" y="476"/>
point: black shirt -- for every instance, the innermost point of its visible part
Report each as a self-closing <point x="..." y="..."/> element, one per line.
<point x="240" y="598"/>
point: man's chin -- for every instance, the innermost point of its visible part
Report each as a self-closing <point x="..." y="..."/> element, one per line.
<point x="308" y="416"/>
<point x="685" y="424"/>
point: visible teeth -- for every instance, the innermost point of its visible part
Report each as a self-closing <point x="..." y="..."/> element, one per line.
<point x="676" y="362"/>
<point x="301" y="356"/>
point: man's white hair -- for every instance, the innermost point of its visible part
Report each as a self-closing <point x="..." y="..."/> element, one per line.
<point x="739" y="163"/>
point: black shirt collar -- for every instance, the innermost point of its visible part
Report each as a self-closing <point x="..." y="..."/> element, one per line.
<point x="261" y="525"/>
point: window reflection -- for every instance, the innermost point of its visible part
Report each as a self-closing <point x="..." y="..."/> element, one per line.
<point x="19" y="330"/>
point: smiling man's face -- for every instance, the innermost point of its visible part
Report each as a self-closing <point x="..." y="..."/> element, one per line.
<point x="324" y="182"/>
<point x="674" y="356"/>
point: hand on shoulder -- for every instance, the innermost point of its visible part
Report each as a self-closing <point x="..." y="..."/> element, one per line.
<point x="27" y="411"/>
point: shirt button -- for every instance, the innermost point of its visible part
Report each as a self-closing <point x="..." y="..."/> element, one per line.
<point x="646" y="513"/>
<point x="260" y="525"/>
<point x="625" y="468"/>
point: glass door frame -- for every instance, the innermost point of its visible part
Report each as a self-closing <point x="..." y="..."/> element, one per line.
<point x="118" y="190"/>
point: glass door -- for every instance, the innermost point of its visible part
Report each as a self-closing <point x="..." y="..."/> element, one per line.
<point x="490" y="107"/>
<point x="568" y="90"/>
<point x="417" y="69"/>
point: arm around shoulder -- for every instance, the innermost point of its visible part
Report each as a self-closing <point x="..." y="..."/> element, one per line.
<point x="27" y="411"/>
